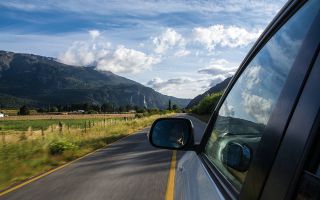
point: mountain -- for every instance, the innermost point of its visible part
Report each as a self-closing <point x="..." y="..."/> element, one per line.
<point x="36" y="80"/>
<point x="217" y="88"/>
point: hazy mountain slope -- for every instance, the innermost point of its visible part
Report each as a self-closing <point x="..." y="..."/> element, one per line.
<point x="41" y="81"/>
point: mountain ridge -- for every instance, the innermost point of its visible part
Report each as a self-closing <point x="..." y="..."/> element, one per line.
<point x="41" y="80"/>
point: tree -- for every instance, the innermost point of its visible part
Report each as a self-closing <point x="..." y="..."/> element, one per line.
<point x="86" y="107"/>
<point x="169" y="105"/>
<point x="41" y="110"/>
<point x="54" y="109"/>
<point x="24" y="110"/>
<point x="122" y="109"/>
<point x="207" y="104"/>
<point x="95" y="107"/>
<point x="106" y="107"/>
<point x="129" y="107"/>
<point x="174" y="107"/>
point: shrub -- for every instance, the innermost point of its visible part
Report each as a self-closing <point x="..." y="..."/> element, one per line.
<point x="139" y="115"/>
<point x="24" y="110"/>
<point x="59" y="146"/>
<point x="207" y="104"/>
<point x="54" y="109"/>
<point x="92" y="112"/>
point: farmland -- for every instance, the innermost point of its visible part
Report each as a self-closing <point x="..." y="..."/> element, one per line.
<point x="69" y="116"/>
<point x="31" y="145"/>
<point x="37" y="122"/>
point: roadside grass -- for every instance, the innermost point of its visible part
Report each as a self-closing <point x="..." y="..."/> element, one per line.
<point x="25" y="153"/>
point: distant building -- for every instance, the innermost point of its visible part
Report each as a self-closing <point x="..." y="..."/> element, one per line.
<point x="1" y="115"/>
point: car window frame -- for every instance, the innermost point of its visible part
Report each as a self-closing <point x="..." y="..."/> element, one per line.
<point x="227" y="189"/>
<point x="294" y="162"/>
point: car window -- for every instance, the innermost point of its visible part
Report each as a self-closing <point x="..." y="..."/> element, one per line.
<point x="245" y="112"/>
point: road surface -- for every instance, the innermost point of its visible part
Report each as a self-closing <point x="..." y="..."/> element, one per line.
<point x="127" y="169"/>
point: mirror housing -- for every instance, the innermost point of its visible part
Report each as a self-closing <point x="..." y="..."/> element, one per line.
<point x="237" y="156"/>
<point x="172" y="133"/>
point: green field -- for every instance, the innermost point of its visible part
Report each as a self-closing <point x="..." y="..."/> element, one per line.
<point x="24" y="125"/>
<point x="30" y="147"/>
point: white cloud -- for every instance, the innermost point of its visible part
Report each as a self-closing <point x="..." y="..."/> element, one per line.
<point x="253" y="77"/>
<point x="219" y="35"/>
<point x="182" y="52"/>
<point x="82" y="53"/>
<point x="217" y="71"/>
<point x="124" y="60"/>
<point x="257" y="107"/>
<point x="100" y="53"/>
<point x="94" y="34"/>
<point x="186" y="86"/>
<point x="227" y="110"/>
<point x="219" y="67"/>
<point x="168" y="39"/>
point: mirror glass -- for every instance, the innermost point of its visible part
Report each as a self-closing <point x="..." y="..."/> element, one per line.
<point x="171" y="133"/>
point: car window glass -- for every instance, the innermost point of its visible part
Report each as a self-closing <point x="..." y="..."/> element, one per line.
<point x="245" y="112"/>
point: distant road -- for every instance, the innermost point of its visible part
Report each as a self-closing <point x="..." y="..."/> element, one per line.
<point x="128" y="169"/>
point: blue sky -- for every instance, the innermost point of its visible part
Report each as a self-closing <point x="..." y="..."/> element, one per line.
<point x="179" y="48"/>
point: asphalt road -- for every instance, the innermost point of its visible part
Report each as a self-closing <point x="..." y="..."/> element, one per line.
<point x="127" y="169"/>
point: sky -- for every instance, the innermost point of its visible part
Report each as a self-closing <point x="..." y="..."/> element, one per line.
<point x="179" y="48"/>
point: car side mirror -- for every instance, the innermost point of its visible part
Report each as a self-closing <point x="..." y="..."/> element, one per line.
<point x="172" y="133"/>
<point x="237" y="156"/>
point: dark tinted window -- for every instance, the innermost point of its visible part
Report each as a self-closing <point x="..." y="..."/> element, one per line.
<point x="245" y="112"/>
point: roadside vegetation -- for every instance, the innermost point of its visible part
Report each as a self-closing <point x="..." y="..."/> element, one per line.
<point x="206" y="106"/>
<point x="30" y="147"/>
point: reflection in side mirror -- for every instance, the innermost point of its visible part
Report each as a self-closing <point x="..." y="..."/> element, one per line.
<point x="171" y="133"/>
<point x="237" y="156"/>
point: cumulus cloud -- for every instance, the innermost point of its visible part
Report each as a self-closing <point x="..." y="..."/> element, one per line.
<point x="219" y="35"/>
<point x="167" y="40"/>
<point x="257" y="107"/>
<point x="253" y="77"/>
<point x="83" y="53"/>
<point x="255" y="103"/>
<point x="100" y="54"/>
<point x="218" y="67"/>
<point x="94" y="34"/>
<point x="124" y="60"/>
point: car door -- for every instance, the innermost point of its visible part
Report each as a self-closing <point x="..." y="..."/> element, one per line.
<point x="245" y="130"/>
